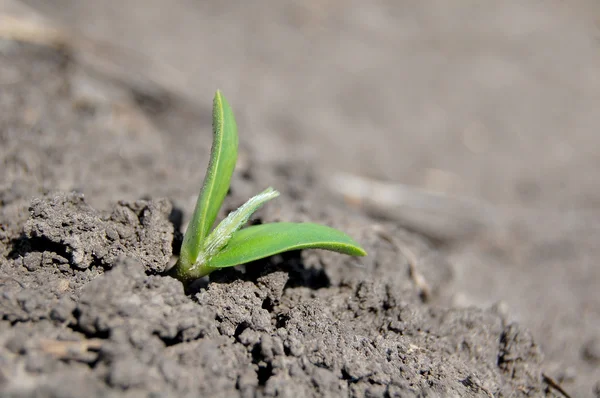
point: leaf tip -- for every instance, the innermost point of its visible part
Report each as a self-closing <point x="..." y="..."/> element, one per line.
<point x="217" y="101"/>
<point x="271" y="193"/>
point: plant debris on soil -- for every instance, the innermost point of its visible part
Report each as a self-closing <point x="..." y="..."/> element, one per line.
<point x="87" y="311"/>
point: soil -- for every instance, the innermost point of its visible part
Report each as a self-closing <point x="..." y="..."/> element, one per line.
<point x="99" y="176"/>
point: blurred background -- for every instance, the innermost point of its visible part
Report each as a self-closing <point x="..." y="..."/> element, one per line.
<point x="496" y="100"/>
<point x="492" y="101"/>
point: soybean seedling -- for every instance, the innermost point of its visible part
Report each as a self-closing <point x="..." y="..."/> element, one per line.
<point x="230" y="244"/>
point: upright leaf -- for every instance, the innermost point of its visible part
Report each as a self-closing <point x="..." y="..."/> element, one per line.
<point x="216" y="182"/>
<point x="260" y="241"/>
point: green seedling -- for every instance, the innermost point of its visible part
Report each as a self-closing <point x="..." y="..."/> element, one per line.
<point x="230" y="244"/>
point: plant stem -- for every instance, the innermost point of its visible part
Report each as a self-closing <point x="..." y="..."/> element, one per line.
<point x="188" y="272"/>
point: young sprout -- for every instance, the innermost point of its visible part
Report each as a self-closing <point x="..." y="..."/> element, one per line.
<point x="229" y="244"/>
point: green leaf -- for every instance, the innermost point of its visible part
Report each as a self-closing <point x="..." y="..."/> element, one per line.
<point x="216" y="182"/>
<point x="260" y="241"/>
<point x="221" y="235"/>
